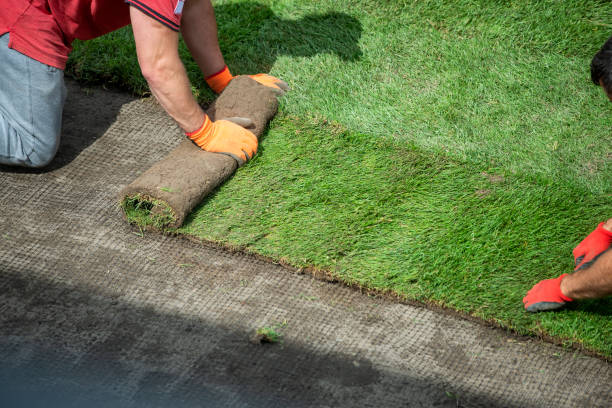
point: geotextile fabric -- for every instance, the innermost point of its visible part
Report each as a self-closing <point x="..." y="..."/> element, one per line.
<point x="167" y="192"/>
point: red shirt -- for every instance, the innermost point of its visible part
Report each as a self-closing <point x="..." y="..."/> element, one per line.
<point x="44" y="29"/>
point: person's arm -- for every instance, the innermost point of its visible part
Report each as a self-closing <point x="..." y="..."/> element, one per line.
<point x="592" y="277"/>
<point x="592" y="282"/>
<point x="199" y="29"/>
<point x="157" y="49"/>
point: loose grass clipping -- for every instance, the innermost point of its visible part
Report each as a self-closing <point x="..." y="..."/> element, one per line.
<point x="165" y="194"/>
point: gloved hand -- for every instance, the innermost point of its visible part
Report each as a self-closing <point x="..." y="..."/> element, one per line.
<point x="221" y="79"/>
<point x="546" y="295"/>
<point x="594" y="244"/>
<point x="227" y="136"/>
<point x="280" y="86"/>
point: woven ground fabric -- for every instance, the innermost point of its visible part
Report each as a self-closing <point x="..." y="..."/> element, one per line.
<point x="96" y="314"/>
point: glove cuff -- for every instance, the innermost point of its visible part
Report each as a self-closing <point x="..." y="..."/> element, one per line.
<point x="219" y="80"/>
<point x="601" y="229"/>
<point x="199" y="136"/>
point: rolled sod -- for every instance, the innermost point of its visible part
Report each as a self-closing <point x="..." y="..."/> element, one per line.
<point x="166" y="193"/>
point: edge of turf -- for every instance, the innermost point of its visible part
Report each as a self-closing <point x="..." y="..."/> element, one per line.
<point x="326" y="275"/>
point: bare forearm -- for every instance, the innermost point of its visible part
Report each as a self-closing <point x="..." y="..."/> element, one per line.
<point x="592" y="282"/>
<point x="157" y="49"/>
<point x="170" y="85"/>
<point x="199" y="29"/>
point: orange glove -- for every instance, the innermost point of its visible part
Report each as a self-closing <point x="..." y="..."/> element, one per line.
<point x="219" y="81"/>
<point x="592" y="246"/>
<point x="279" y="85"/>
<point x="226" y="137"/>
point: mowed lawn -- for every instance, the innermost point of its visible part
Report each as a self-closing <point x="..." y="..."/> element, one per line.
<point x="452" y="152"/>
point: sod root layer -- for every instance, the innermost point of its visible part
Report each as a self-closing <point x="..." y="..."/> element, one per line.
<point x="94" y="313"/>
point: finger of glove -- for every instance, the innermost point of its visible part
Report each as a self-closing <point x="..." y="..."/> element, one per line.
<point x="247" y="138"/>
<point x="594" y="243"/>
<point x="539" y="292"/>
<point x="248" y="145"/>
<point x="237" y="134"/>
<point x="241" y="160"/>
<point x="578" y="251"/>
<point x="588" y="261"/>
<point x="231" y="138"/>
<point x="230" y="127"/>
<point x="277" y="85"/>
<point x="543" y="306"/>
<point x="240" y="121"/>
<point x="283" y="85"/>
<point x="579" y="261"/>
<point x="278" y="82"/>
<point x="588" y="258"/>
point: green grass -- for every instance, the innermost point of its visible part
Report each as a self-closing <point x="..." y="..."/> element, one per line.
<point x="381" y="214"/>
<point x="145" y="211"/>
<point x="452" y="152"/>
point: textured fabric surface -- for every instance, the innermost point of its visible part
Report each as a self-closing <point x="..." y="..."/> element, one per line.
<point x="93" y="313"/>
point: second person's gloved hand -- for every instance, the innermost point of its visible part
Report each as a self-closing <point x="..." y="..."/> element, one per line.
<point x="228" y="137"/>
<point x="546" y="295"/>
<point x="593" y="245"/>
<point x="221" y="79"/>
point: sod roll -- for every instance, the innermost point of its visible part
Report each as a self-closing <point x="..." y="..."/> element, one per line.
<point x="163" y="195"/>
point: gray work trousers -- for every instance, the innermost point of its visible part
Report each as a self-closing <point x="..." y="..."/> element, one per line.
<point x="32" y="97"/>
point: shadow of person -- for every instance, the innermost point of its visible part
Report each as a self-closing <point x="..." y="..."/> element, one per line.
<point x="251" y="36"/>
<point x="601" y="307"/>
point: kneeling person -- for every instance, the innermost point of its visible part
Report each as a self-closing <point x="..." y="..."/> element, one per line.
<point x="35" y="38"/>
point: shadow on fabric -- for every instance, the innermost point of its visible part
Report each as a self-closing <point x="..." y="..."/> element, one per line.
<point x="63" y="345"/>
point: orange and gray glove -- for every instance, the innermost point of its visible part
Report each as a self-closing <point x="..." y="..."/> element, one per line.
<point x="219" y="81"/>
<point x="228" y="137"/>
<point x="592" y="246"/>
<point x="546" y="295"/>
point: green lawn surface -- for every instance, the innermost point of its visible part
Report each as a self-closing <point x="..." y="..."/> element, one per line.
<point x="452" y="152"/>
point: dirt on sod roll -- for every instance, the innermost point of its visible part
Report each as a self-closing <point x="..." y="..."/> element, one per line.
<point x="163" y="195"/>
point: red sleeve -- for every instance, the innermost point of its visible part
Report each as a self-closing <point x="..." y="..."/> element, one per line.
<point x="167" y="12"/>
